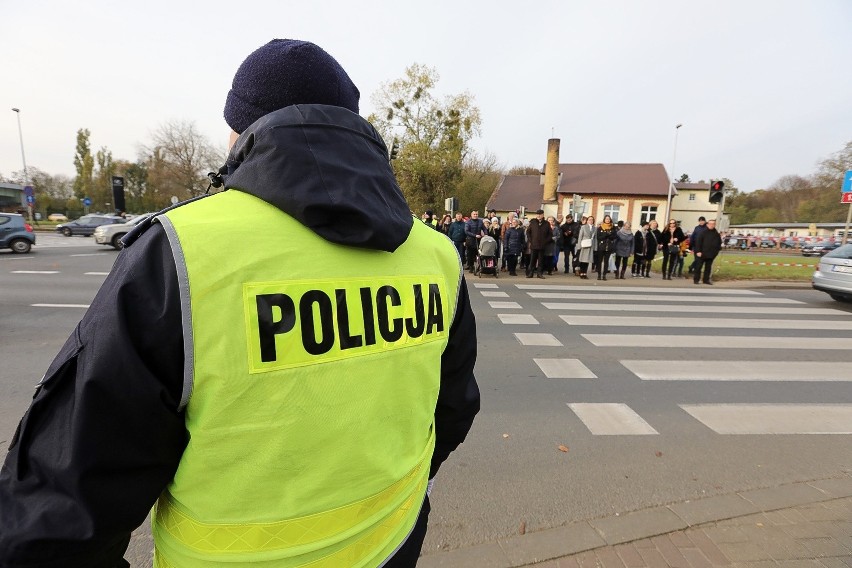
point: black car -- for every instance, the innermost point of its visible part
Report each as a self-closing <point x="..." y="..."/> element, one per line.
<point x="819" y="249"/>
<point x="87" y="224"/>
<point x="15" y="233"/>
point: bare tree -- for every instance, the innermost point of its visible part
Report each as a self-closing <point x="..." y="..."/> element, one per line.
<point x="185" y="156"/>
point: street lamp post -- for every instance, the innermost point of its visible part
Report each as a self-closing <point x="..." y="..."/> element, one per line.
<point x="671" y="181"/>
<point x="17" y="111"/>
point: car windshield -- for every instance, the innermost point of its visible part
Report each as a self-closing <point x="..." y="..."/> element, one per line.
<point x="842" y="252"/>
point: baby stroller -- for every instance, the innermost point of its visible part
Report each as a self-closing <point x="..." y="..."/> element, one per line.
<point x="486" y="259"/>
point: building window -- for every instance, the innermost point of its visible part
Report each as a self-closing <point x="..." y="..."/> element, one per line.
<point x="612" y="211"/>
<point x="692" y="197"/>
<point x="649" y="213"/>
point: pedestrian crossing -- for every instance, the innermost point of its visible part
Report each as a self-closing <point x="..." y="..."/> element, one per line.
<point x="664" y="317"/>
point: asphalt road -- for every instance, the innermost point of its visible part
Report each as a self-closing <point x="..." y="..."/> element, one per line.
<point x="632" y="442"/>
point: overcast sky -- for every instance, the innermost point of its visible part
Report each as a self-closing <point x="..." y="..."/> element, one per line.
<point x="762" y="88"/>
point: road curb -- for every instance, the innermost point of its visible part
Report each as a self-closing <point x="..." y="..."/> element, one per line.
<point x="583" y="536"/>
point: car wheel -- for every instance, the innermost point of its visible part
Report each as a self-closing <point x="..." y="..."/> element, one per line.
<point x="66" y="231"/>
<point x="839" y="298"/>
<point x="20" y="246"/>
<point x="116" y="241"/>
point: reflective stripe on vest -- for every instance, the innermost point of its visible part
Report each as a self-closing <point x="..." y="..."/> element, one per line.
<point x="313" y="370"/>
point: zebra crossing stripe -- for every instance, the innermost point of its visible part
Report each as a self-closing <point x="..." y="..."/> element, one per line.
<point x="479" y="285"/>
<point x="663" y="291"/>
<point x="698" y="323"/>
<point x="518" y="319"/>
<point x="694" y="309"/>
<point x="611" y="419"/>
<point x="543" y="339"/>
<point x="597" y="298"/>
<point x="718" y="341"/>
<point x="564" y="369"/>
<point x="505" y="305"/>
<point x="487" y="294"/>
<point x="773" y="418"/>
<point x="774" y="371"/>
<point x="35" y="272"/>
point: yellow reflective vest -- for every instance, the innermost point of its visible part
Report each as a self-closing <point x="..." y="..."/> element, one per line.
<point x="312" y="374"/>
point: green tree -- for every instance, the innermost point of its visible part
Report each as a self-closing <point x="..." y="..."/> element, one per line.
<point x="102" y="189"/>
<point x="434" y="136"/>
<point x="84" y="164"/>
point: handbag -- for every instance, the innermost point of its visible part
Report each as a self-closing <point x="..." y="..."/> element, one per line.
<point x="585" y="243"/>
<point x="674" y="249"/>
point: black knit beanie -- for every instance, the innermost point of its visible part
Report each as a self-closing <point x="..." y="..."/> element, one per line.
<point x="287" y="72"/>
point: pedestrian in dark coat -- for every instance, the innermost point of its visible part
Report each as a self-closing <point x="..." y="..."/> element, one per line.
<point x="606" y="236"/>
<point x="623" y="249"/>
<point x="707" y="247"/>
<point x="699" y="228"/>
<point x="474" y="229"/>
<point x="457" y="235"/>
<point x="653" y="237"/>
<point x="570" y="230"/>
<point x="540" y="234"/>
<point x="513" y="245"/>
<point x="670" y="240"/>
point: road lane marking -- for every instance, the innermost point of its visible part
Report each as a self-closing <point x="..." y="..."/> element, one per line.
<point x="564" y="369"/>
<point x="96" y="273"/>
<point x="518" y="319"/>
<point x="90" y="254"/>
<point x="596" y="297"/>
<point x="773" y="418"/>
<point x="478" y="285"/>
<point x="698" y="323"/>
<point x="773" y="371"/>
<point x="545" y="339"/>
<point x="718" y="341"/>
<point x="611" y="419"/>
<point x="35" y="272"/>
<point x="505" y="305"/>
<point x="487" y="294"/>
<point x="663" y="291"/>
<point x="59" y="305"/>
<point x="695" y="309"/>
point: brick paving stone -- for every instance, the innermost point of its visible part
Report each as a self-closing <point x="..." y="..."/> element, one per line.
<point x="608" y="558"/>
<point x="707" y="547"/>
<point x="695" y="558"/>
<point x="567" y="562"/>
<point x="744" y="551"/>
<point x="794" y="515"/>
<point x="832" y="563"/>
<point x="680" y="539"/>
<point x="653" y="558"/>
<point x="806" y="530"/>
<point x="548" y="564"/>
<point x="720" y="534"/>
<point x="629" y="555"/>
<point x="821" y="513"/>
<point x="670" y="552"/>
<point x="802" y="563"/>
<point x="777" y="518"/>
<point x="644" y="543"/>
<point x="824" y="547"/>
<point x="587" y="560"/>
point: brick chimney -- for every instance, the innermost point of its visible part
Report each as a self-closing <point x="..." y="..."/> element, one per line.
<point x="551" y="171"/>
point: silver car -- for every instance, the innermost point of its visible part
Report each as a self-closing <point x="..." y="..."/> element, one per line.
<point x="834" y="274"/>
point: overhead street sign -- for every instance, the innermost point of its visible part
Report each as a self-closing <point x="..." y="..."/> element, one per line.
<point x="846" y="197"/>
<point x="847" y="183"/>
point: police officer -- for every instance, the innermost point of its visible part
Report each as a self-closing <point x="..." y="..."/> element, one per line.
<point x="288" y="403"/>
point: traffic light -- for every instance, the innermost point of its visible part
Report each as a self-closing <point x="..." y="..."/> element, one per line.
<point x="717" y="191"/>
<point x="394" y="151"/>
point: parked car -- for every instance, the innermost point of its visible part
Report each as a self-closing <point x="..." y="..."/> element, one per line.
<point x="57" y="217"/>
<point x="767" y="242"/>
<point x="790" y="243"/>
<point x="834" y="274"/>
<point x="819" y="248"/>
<point x="15" y="233"/>
<point x="87" y="224"/>
<point x="111" y="234"/>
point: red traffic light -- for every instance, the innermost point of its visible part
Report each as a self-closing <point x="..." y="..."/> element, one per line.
<point x="716" y="191"/>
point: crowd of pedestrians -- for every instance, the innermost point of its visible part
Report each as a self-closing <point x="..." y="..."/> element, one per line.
<point x="537" y="245"/>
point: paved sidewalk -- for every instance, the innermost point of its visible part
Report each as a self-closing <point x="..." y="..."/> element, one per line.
<point x="800" y="524"/>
